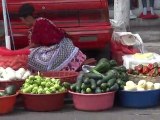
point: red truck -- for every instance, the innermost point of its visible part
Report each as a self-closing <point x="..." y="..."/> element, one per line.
<point x="86" y="21"/>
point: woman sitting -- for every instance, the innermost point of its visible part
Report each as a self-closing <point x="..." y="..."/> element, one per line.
<point x="50" y="48"/>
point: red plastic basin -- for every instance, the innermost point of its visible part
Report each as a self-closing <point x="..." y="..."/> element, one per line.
<point x="7" y="103"/>
<point x="93" y="102"/>
<point x="43" y="102"/>
<point x="17" y="83"/>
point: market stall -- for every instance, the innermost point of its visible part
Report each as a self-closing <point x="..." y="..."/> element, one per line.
<point x="97" y="83"/>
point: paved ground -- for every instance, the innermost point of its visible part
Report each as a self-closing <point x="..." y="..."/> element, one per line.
<point x="69" y="113"/>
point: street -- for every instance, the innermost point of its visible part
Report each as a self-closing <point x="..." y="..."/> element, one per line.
<point x="69" y="113"/>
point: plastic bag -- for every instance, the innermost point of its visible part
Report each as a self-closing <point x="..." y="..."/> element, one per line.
<point x="15" y="62"/>
<point x="6" y="52"/>
<point x="130" y="62"/>
<point x="118" y="26"/>
<point x="129" y="39"/>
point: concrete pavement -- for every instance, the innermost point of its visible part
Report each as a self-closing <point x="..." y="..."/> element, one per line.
<point x="69" y="113"/>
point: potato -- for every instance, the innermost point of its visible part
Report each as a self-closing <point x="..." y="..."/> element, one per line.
<point x="142" y="84"/>
<point x="156" y="86"/>
<point x="149" y="86"/>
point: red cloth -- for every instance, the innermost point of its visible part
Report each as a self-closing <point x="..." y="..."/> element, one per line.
<point x="6" y="52"/>
<point x="45" y="33"/>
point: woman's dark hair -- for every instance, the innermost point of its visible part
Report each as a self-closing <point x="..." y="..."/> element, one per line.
<point x="26" y="10"/>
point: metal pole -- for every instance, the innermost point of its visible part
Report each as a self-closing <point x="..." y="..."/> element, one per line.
<point x="121" y="11"/>
<point x="10" y="27"/>
<point x="7" y="37"/>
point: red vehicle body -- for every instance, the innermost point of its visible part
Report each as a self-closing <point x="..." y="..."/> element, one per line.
<point x="86" y="21"/>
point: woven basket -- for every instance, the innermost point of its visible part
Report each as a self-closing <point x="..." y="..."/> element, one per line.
<point x="137" y="78"/>
<point x="64" y="76"/>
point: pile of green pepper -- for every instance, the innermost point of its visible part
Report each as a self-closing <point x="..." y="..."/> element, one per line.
<point x="42" y="85"/>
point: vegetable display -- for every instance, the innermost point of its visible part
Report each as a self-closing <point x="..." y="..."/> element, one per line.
<point x="104" y="77"/>
<point x="10" y="74"/>
<point x="42" y="85"/>
<point x="152" y="70"/>
<point x="141" y="86"/>
<point x="9" y="90"/>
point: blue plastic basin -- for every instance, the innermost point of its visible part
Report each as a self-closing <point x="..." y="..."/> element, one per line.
<point x="139" y="99"/>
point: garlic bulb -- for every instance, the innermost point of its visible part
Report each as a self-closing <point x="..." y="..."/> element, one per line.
<point x="1" y="70"/>
<point x="26" y="74"/>
<point x="18" y="75"/>
<point x="21" y="71"/>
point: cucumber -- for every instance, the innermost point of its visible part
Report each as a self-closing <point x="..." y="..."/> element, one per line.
<point x="124" y="76"/>
<point x="79" y="81"/>
<point x="84" y="86"/>
<point x="104" y="86"/>
<point x="99" y="82"/>
<point x="120" y="69"/>
<point x="110" y="74"/>
<point x="94" y="76"/>
<point x="115" y="87"/>
<point x="102" y="65"/>
<point x="98" y="90"/>
<point x="123" y="69"/>
<point x="78" y="86"/>
<point x="95" y="72"/>
<point x="111" y="82"/>
<point x="120" y="82"/>
<point x="118" y="75"/>
<point x="107" y="90"/>
<point x="103" y="91"/>
<point x="93" y="83"/>
<point x="73" y="87"/>
<point x="113" y="63"/>
<point x="86" y="81"/>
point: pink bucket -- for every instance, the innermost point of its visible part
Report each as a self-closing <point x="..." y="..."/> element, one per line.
<point x="93" y="102"/>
